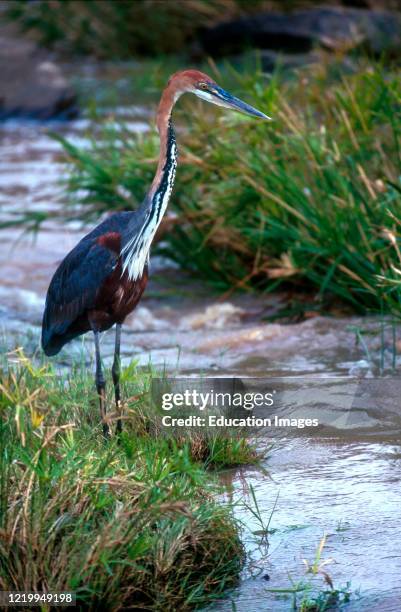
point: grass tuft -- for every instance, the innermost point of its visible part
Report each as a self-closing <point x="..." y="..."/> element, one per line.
<point x="134" y="524"/>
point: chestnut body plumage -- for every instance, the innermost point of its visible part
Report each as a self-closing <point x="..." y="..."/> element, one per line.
<point x="102" y="279"/>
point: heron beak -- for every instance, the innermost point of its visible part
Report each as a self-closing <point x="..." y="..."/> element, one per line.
<point x="220" y="97"/>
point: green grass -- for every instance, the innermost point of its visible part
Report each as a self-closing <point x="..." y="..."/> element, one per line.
<point x="304" y="200"/>
<point x="311" y="200"/>
<point x="131" y="524"/>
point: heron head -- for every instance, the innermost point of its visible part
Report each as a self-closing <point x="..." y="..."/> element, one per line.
<point x="204" y="87"/>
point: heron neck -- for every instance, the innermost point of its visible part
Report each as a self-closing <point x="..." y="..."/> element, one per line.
<point x="168" y="151"/>
<point x="165" y="172"/>
<point x="140" y="236"/>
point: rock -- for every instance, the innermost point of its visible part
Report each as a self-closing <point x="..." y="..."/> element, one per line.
<point x="333" y="28"/>
<point x="31" y="84"/>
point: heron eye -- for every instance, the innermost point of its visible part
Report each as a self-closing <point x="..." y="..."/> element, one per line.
<point x="202" y="86"/>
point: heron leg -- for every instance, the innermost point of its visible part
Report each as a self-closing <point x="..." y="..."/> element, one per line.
<point x="115" y="371"/>
<point x="101" y="387"/>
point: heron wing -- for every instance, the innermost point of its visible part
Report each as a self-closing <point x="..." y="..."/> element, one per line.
<point x="75" y="285"/>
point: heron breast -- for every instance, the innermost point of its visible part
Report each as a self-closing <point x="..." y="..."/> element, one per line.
<point x="119" y="294"/>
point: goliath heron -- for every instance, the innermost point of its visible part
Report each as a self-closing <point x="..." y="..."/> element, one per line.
<point x="102" y="279"/>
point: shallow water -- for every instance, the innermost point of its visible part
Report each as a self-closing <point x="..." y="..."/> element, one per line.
<point x="346" y="485"/>
<point x="343" y="487"/>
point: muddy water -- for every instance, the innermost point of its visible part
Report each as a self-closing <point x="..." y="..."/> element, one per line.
<point x="346" y="486"/>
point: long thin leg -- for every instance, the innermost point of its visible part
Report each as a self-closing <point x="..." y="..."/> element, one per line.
<point x="115" y="371"/>
<point x="101" y="387"/>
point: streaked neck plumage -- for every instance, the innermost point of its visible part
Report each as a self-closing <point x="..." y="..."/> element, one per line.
<point x="137" y="243"/>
